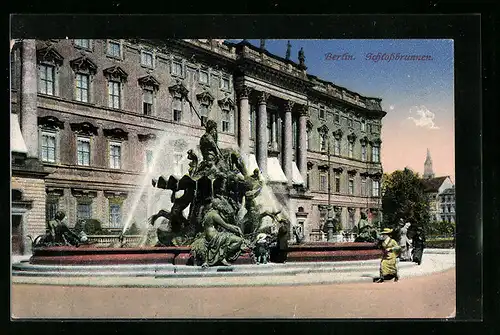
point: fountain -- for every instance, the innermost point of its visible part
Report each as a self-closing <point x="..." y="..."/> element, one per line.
<point x="219" y="210"/>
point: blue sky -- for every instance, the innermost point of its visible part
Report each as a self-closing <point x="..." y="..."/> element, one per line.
<point x="417" y="95"/>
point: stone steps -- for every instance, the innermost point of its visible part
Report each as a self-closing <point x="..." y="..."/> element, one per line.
<point x="180" y="271"/>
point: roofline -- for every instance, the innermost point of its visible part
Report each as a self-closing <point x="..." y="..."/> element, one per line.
<point x="231" y="61"/>
<point x="309" y="76"/>
<point x="341" y="87"/>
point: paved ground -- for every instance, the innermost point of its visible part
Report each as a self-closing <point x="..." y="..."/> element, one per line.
<point x="429" y="296"/>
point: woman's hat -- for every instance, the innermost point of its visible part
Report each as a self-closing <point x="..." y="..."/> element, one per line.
<point x="386" y="231"/>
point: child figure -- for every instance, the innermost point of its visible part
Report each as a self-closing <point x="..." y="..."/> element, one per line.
<point x="261" y="251"/>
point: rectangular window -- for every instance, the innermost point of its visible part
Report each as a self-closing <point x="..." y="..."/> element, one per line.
<point x="83" y="43"/>
<point x="83" y="211"/>
<point x="363" y="153"/>
<point x="48" y="147"/>
<point x="363" y="125"/>
<point x="46" y="79"/>
<point x="308" y="138"/>
<point x="351" y="186"/>
<point x="375" y="188"/>
<point x="82" y="87"/>
<point x="375" y="154"/>
<point x="115" y="216"/>
<point x="177" y="69"/>
<point x="337" y="118"/>
<point x="83" y="151"/>
<point x="336" y="147"/>
<point x="349" y="123"/>
<point x="147" y="101"/>
<point x="225" y="84"/>
<point x="115" y="155"/>
<point x="177" y="107"/>
<point x="147" y="58"/>
<point x="203" y="114"/>
<point x="322" y="112"/>
<point x="350" y="146"/>
<point x="269" y="126"/>
<point x="337" y="184"/>
<point x="363" y="186"/>
<point x="177" y="115"/>
<point x="149" y="159"/>
<point x="308" y="179"/>
<point x="114" y="94"/>
<point x="203" y="77"/>
<point x="51" y="208"/>
<point x="226" y="121"/>
<point x="114" y="49"/>
<point x="322" y="182"/>
<point x="369" y="128"/>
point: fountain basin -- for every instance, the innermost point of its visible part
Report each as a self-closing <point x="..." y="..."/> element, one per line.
<point x="89" y="255"/>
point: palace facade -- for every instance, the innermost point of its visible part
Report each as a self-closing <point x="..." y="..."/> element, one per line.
<point x="94" y="112"/>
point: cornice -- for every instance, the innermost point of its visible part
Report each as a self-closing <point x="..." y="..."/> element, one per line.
<point x="83" y="64"/>
<point x="149" y="80"/>
<point x="49" y="54"/>
<point x="84" y="128"/>
<point x="116" y="133"/>
<point x="115" y="72"/>
<point x="50" y="122"/>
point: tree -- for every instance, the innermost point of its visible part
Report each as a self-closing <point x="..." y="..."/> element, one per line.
<point x="404" y="198"/>
<point x="93" y="227"/>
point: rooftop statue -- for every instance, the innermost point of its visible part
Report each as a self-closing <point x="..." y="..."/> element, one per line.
<point x="302" y="58"/>
<point x="288" y="50"/>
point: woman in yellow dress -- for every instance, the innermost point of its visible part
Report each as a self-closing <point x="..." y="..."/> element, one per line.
<point x="388" y="264"/>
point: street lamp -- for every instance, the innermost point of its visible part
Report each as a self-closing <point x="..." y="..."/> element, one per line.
<point x="330" y="226"/>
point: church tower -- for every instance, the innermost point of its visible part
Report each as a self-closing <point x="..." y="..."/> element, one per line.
<point x="428" y="173"/>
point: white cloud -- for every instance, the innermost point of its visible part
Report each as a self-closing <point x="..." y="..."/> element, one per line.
<point x="391" y="107"/>
<point x="425" y="118"/>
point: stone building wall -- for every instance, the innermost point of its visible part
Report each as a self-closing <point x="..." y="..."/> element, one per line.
<point x="33" y="189"/>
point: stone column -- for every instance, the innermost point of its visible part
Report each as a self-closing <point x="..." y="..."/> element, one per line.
<point x="244" y="114"/>
<point x="288" y="142"/>
<point x="261" y="140"/>
<point x="302" y="152"/>
<point x="28" y="113"/>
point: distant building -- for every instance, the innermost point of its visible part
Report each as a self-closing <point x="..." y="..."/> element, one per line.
<point x="447" y="205"/>
<point x="441" y="193"/>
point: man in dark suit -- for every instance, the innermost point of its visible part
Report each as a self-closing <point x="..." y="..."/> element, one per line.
<point x="280" y="252"/>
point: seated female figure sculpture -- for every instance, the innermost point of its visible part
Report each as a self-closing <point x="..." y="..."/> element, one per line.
<point x="222" y="245"/>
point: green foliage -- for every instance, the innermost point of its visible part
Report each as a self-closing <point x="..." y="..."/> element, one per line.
<point x="133" y="230"/>
<point x="93" y="227"/>
<point x="441" y="228"/>
<point x="443" y="243"/>
<point x="404" y="198"/>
